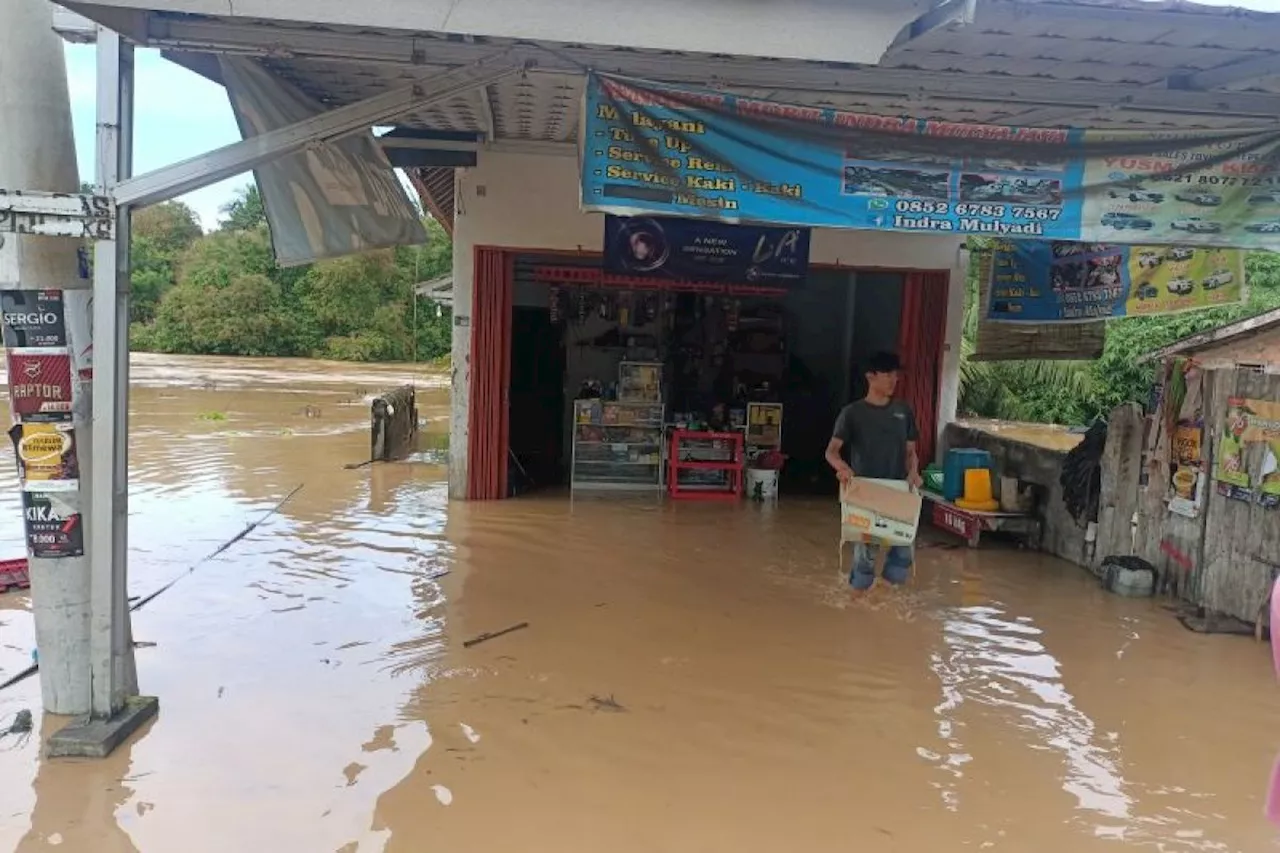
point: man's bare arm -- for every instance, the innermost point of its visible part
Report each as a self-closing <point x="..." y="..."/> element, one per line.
<point x="842" y="469"/>
<point x="913" y="464"/>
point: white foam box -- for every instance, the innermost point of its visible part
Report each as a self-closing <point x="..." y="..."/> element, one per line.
<point x="883" y="510"/>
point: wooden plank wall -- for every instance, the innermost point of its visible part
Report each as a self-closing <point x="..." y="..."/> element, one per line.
<point x="1242" y="540"/>
<point x="1121" y="470"/>
<point x="1172" y="543"/>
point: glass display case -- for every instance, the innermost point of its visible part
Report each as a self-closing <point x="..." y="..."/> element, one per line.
<point x="617" y="446"/>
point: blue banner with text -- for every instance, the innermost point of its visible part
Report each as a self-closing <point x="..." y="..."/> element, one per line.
<point x="651" y="148"/>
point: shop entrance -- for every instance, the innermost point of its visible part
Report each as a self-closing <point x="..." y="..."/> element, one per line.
<point x="711" y="359"/>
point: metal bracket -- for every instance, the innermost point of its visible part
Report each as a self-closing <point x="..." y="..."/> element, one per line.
<point x="231" y="160"/>
<point x="57" y="214"/>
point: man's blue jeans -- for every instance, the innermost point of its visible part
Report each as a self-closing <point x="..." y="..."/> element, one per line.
<point x="897" y="564"/>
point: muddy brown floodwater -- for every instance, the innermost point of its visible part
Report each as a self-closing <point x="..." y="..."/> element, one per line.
<point x="692" y="677"/>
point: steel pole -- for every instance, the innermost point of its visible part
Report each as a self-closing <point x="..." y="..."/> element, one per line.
<point x="111" y="640"/>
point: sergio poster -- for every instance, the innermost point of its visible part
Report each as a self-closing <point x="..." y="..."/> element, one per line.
<point x="651" y="148"/>
<point x="1248" y="466"/>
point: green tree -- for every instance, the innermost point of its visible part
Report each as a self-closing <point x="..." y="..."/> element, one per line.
<point x="225" y="294"/>
<point x="1078" y="392"/>
<point x="219" y="258"/>
<point x="159" y="236"/>
<point x="245" y="212"/>
<point x="246" y="317"/>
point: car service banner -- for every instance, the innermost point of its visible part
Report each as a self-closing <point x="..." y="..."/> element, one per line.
<point x="1031" y="341"/>
<point x="650" y="148"/>
<point x="691" y="250"/>
<point x="1035" y="281"/>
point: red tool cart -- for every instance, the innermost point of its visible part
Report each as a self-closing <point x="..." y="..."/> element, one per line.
<point x="705" y="465"/>
<point x="13" y="574"/>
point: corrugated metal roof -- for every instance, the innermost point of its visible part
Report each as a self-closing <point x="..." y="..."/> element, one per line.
<point x="1102" y="63"/>
<point x="1232" y="331"/>
<point x="1104" y="41"/>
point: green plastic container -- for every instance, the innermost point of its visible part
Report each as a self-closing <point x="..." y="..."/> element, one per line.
<point x="933" y="478"/>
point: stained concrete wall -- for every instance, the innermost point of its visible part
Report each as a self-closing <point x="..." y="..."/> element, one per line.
<point x="530" y="201"/>
<point x="1060" y="535"/>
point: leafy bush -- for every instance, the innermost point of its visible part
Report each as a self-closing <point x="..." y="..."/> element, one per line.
<point x="1078" y="392"/>
<point x="222" y="293"/>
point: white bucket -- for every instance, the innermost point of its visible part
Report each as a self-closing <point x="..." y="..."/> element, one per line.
<point x="766" y="479"/>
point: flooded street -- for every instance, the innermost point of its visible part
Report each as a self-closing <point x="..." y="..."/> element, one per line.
<point x="692" y="678"/>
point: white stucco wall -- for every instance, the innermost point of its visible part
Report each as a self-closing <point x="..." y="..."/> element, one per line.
<point x="530" y="201"/>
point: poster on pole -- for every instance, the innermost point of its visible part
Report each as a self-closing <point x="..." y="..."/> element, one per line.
<point x="33" y="318"/>
<point x="40" y="385"/>
<point x="1248" y="461"/>
<point x="1067" y="282"/>
<point x="656" y="149"/>
<point x="47" y="456"/>
<point x="692" y="250"/>
<point x="54" y="524"/>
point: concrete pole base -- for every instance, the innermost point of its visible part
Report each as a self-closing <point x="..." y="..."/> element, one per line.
<point x="97" y="738"/>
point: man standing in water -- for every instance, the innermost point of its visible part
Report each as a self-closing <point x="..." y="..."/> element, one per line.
<point x="876" y="438"/>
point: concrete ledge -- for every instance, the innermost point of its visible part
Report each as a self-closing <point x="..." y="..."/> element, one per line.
<point x="97" y="738"/>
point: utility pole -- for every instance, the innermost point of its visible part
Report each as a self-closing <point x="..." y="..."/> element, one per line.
<point x="78" y="565"/>
<point x="37" y="152"/>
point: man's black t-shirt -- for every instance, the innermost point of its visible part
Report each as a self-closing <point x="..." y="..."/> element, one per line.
<point x="875" y="438"/>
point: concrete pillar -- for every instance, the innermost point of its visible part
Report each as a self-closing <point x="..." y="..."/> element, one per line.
<point x="949" y="393"/>
<point x="37" y="152"/>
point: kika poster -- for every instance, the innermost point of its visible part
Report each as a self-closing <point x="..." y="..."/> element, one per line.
<point x="1068" y="282"/>
<point x="655" y="149"/>
<point x="1248" y="461"/>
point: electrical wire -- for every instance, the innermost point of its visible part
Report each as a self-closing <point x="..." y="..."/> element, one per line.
<point x="147" y="599"/>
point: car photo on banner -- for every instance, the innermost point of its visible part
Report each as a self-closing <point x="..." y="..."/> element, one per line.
<point x="1059" y="282"/>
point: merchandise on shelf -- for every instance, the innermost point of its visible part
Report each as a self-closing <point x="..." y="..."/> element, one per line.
<point x="617" y="445"/>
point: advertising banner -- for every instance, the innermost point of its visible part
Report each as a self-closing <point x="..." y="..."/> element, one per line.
<point x="691" y="250"/>
<point x="47" y="459"/>
<point x="333" y="198"/>
<point x="54" y="525"/>
<point x="40" y="385"/>
<point x="1248" y="466"/>
<point x="1064" y="282"/>
<point x="1035" y="341"/>
<point x="33" y="318"/>
<point x="650" y="148"/>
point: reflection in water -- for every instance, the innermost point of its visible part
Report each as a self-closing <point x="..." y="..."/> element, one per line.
<point x="1001" y="664"/>
<point x="691" y="678"/>
<point x="77" y="803"/>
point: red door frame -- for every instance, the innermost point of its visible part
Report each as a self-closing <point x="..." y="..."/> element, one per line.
<point x="488" y="431"/>
<point x="920" y="344"/>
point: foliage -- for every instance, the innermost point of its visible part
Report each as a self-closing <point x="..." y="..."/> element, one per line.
<point x="245" y="212"/>
<point x="160" y="235"/>
<point x="1078" y="392"/>
<point x="223" y="293"/>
